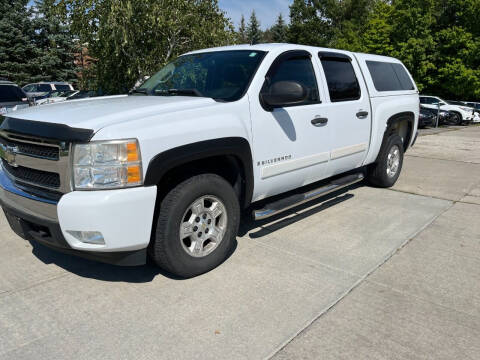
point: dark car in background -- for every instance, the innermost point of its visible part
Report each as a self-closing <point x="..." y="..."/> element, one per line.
<point x="444" y="117"/>
<point x="12" y="97"/>
<point x="426" y="117"/>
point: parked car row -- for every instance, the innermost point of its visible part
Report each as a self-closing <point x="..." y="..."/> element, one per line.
<point x="12" y="97"/>
<point x="449" y="112"/>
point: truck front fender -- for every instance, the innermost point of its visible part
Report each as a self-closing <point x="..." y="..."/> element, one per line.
<point x="236" y="147"/>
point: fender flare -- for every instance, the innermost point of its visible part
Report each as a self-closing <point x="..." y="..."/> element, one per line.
<point x="407" y="115"/>
<point x="237" y="147"/>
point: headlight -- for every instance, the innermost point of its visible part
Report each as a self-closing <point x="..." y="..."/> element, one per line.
<point x="107" y="165"/>
<point x="465" y="108"/>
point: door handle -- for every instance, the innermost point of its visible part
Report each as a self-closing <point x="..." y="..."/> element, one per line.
<point x="362" y="114"/>
<point x="319" y="121"/>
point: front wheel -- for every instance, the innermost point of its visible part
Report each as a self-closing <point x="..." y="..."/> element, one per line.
<point x="386" y="170"/>
<point x="197" y="225"/>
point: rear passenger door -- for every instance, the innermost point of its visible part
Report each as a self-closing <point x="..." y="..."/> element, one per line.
<point x="347" y="108"/>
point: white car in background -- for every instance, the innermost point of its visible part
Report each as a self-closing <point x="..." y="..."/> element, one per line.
<point x="57" y="96"/>
<point x="462" y="113"/>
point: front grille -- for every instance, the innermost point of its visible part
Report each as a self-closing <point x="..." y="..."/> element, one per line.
<point x="37" y="177"/>
<point x="38" y="151"/>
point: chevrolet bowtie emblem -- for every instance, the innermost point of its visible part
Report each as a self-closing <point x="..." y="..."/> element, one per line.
<point x="9" y="153"/>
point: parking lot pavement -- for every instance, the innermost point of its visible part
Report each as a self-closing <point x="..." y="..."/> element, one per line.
<point x="325" y="281"/>
<point x="424" y="302"/>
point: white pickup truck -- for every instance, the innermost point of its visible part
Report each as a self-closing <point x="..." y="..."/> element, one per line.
<point x="168" y="169"/>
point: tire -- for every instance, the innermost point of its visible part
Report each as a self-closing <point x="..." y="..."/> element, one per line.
<point x="381" y="173"/>
<point x="457" y="119"/>
<point x="184" y="255"/>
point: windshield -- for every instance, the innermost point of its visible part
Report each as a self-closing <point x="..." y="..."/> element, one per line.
<point x="222" y="75"/>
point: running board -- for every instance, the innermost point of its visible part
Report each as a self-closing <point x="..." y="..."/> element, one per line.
<point x="287" y="203"/>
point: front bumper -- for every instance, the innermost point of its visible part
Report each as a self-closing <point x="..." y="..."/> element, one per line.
<point x="124" y="217"/>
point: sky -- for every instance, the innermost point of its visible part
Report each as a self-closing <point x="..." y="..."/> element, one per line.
<point x="267" y="10"/>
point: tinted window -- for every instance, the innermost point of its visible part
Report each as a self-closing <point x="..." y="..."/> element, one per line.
<point x="44" y="87"/>
<point x="389" y="76"/>
<point x="10" y="93"/>
<point x="62" y="87"/>
<point x="299" y="69"/>
<point x="403" y="77"/>
<point x="341" y="79"/>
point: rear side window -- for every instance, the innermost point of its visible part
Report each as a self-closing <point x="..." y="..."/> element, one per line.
<point x="62" y="87"/>
<point x="10" y="93"/>
<point x="44" y="87"/>
<point x="341" y="79"/>
<point x="389" y="76"/>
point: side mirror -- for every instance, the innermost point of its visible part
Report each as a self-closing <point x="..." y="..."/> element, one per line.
<point x="284" y="93"/>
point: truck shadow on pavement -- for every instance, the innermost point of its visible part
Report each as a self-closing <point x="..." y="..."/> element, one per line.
<point x="146" y="273"/>
<point x="264" y="227"/>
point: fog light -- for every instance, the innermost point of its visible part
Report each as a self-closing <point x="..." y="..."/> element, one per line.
<point x="88" y="237"/>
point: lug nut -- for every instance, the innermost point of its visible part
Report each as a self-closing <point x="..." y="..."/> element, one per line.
<point x="209" y="221"/>
<point x="195" y="228"/>
<point x="204" y="216"/>
<point x="206" y="231"/>
<point x="199" y="234"/>
<point x="197" y="219"/>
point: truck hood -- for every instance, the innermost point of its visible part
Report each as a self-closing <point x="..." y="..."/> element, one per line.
<point x="97" y="113"/>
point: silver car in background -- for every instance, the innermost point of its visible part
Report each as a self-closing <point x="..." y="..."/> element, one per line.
<point x="40" y="89"/>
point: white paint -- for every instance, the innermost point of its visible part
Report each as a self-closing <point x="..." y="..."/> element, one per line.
<point x="124" y="217"/>
<point x="348" y="150"/>
<point x="291" y="165"/>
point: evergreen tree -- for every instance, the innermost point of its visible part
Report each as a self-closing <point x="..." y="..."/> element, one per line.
<point x="242" y="37"/>
<point x="55" y="43"/>
<point x="18" y="53"/>
<point x="253" y="30"/>
<point x="279" y="30"/>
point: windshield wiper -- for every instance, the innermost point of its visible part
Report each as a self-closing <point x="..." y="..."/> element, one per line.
<point x="139" y="91"/>
<point x="188" y="92"/>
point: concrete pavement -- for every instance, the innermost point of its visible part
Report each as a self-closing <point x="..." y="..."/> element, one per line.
<point x="424" y="302"/>
<point x="327" y="280"/>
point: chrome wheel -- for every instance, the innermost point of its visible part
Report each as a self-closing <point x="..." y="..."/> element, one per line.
<point x="393" y="161"/>
<point x="203" y="226"/>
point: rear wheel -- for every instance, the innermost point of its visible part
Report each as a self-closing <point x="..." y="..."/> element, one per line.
<point x="196" y="226"/>
<point x="386" y="170"/>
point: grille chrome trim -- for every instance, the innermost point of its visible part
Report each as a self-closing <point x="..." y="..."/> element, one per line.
<point x="60" y="166"/>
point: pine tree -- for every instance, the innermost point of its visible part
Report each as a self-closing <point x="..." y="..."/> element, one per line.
<point x="18" y="53"/>
<point x="242" y="37"/>
<point x="279" y="30"/>
<point x="55" y="43"/>
<point x="253" y="30"/>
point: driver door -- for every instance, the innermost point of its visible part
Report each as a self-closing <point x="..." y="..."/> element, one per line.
<point x="291" y="143"/>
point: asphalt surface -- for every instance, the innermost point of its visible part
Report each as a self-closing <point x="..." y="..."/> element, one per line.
<point x="370" y="273"/>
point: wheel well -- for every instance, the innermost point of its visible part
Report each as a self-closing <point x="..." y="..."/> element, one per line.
<point x="403" y="125"/>
<point x="227" y="166"/>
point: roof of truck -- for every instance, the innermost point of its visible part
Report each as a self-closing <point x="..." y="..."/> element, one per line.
<point x="278" y="47"/>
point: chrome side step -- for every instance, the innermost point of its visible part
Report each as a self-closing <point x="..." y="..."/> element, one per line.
<point x="287" y="203"/>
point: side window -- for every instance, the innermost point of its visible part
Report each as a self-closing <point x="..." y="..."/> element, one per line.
<point x="389" y="76"/>
<point x="44" y="87"/>
<point x="341" y="79"/>
<point x="423" y="100"/>
<point x="298" y="69"/>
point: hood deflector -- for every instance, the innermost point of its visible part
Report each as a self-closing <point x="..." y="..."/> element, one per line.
<point x="54" y="131"/>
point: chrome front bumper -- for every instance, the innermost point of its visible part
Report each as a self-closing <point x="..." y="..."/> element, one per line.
<point x="13" y="197"/>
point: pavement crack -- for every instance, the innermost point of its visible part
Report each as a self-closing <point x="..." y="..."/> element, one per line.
<point x="359" y="281"/>
<point x="14" y="291"/>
